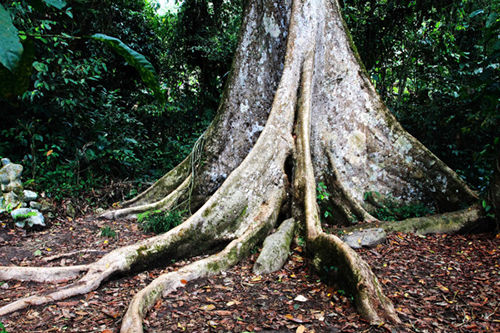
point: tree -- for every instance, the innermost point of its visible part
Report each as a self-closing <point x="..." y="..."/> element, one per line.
<point x="298" y="109"/>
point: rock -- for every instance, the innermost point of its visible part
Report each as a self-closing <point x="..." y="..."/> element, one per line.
<point x="35" y="205"/>
<point x="368" y="238"/>
<point x="275" y="249"/>
<point x="27" y="216"/>
<point x="46" y="205"/>
<point x="13" y="186"/>
<point x="11" y="200"/>
<point x="10" y="172"/>
<point x="5" y="161"/>
<point x="99" y="211"/>
<point x="29" y="195"/>
<point x="300" y="298"/>
<point x="70" y="210"/>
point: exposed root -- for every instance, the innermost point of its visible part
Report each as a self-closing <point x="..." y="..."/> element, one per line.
<point x="275" y="249"/>
<point x="232" y="253"/>
<point x="355" y="274"/>
<point x="245" y="206"/>
<point x="452" y="222"/>
<point x="162" y="187"/>
<point x="328" y="250"/>
<point x="41" y="274"/>
<point x="164" y="204"/>
<point x="70" y="254"/>
<point x="86" y="284"/>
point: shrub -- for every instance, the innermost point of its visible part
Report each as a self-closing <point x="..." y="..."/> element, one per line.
<point x="108" y="232"/>
<point x="159" y="222"/>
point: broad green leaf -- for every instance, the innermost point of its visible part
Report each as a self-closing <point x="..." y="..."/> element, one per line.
<point x="476" y="12"/>
<point x="492" y="18"/>
<point x="16" y="82"/>
<point x="137" y="60"/>
<point x="11" y="48"/>
<point x="59" y="4"/>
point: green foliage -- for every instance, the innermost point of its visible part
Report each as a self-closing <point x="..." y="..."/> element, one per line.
<point x="389" y="209"/>
<point x="135" y="59"/>
<point x="488" y="208"/>
<point x="16" y="81"/>
<point x="8" y="208"/>
<point x="160" y="222"/>
<point x="323" y="197"/>
<point x="25" y="216"/>
<point x="87" y="116"/>
<point x="59" y="4"/>
<point x="11" y="48"/>
<point x="436" y="65"/>
<point x="108" y="232"/>
<point x="2" y="328"/>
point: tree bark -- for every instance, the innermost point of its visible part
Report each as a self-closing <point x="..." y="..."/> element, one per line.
<point x="298" y="109"/>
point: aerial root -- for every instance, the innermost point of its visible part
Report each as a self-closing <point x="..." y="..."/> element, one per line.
<point x="170" y="182"/>
<point x="162" y="187"/>
<point x="229" y="256"/>
<point x="41" y="274"/>
<point x="166" y="203"/>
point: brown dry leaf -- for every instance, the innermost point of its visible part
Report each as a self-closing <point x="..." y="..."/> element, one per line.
<point x="223" y="312"/>
<point x="82" y="313"/>
<point x="72" y="303"/>
<point x="113" y="314"/>
<point x="107" y="331"/>
<point x="292" y="318"/>
<point x="442" y="288"/>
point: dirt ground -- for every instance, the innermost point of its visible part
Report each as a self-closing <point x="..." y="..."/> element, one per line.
<point x="438" y="283"/>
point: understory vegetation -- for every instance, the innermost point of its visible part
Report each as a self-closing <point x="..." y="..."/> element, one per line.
<point x="159" y="222"/>
<point x="87" y="118"/>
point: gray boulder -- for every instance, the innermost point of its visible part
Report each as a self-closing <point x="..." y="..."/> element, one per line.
<point x="368" y="238"/>
<point x="29" y="195"/>
<point x="27" y="216"/>
<point x="10" y="172"/>
<point x="35" y="205"/>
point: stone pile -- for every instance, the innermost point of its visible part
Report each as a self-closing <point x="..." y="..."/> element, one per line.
<point x="20" y="203"/>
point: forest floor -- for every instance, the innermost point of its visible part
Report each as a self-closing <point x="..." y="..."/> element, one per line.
<point x="438" y="283"/>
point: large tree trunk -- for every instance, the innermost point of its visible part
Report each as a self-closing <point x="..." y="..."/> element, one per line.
<point x="298" y="109"/>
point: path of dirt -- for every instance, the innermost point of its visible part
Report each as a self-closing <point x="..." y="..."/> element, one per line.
<point x="438" y="283"/>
